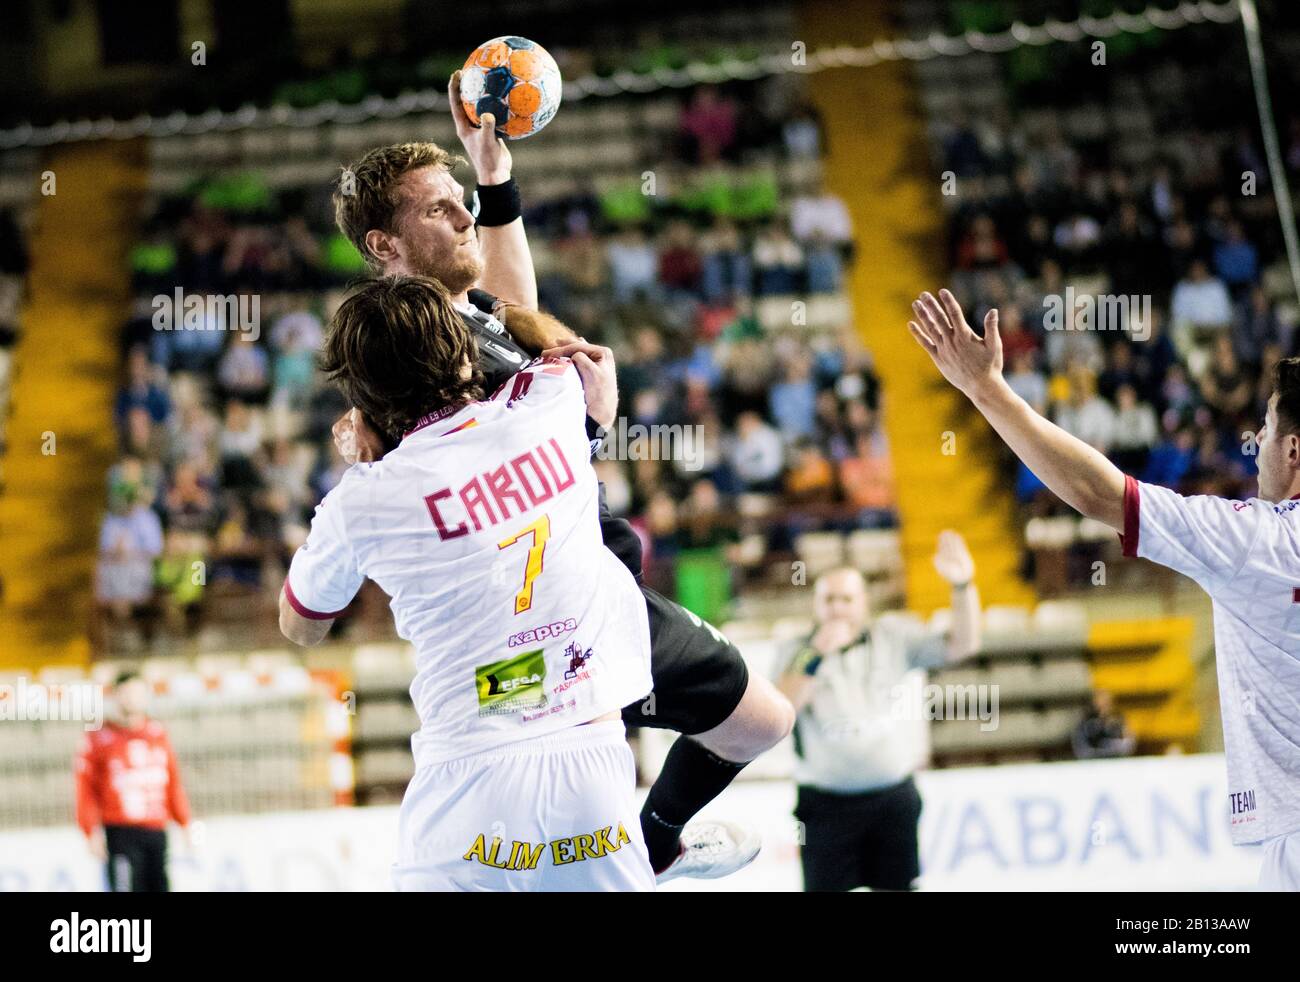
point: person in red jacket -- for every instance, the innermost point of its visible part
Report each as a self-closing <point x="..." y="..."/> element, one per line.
<point x="128" y="783"/>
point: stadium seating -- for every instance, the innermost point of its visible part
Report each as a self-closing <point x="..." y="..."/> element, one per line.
<point x="1150" y="135"/>
<point x="578" y="179"/>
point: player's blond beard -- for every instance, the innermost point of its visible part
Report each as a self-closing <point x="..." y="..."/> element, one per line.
<point x="456" y="275"/>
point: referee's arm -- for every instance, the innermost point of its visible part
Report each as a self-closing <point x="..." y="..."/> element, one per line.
<point x="964" y="641"/>
<point x="1079" y="475"/>
<point x="953" y="561"/>
<point x="796" y="682"/>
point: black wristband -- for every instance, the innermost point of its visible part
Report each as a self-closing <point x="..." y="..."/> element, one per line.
<point x="497" y="204"/>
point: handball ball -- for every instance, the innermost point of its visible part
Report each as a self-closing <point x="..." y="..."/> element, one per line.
<point x="516" y="81"/>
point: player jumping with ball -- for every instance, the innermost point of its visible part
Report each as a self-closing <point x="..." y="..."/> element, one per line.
<point x="405" y="212"/>
<point x="1244" y="554"/>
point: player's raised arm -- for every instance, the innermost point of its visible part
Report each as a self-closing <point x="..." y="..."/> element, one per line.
<point x="507" y="262"/>
<point x="1079" y="475"/>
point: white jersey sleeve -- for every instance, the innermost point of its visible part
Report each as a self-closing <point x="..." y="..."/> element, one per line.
<point x="1206" y="538"/>
<point x="323" y="577"/>
<point x="1246" y="555"/>
<point x="919" y="645"/>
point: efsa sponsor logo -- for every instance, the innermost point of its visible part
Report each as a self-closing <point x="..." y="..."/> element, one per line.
<point x="512" y="685"/>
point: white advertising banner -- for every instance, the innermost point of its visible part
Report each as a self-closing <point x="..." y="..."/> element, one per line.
<point x="1145" y="823"/>
<point x="1150" y="823"/>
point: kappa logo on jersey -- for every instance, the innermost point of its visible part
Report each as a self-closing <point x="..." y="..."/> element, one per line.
<point x="512" y="685"/>
<point x="552" y="630"/>
<point x="530" y="469"/>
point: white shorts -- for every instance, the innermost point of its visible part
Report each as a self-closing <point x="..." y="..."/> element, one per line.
<point x="553" y="813"/>
<point x="1281" y="866"/>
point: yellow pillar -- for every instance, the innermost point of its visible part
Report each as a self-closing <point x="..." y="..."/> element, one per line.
<point x="878" y="162"/>
<point x="61" y="434"/>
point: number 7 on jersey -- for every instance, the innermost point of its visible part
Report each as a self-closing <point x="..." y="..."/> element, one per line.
<point x="540" y="531"/>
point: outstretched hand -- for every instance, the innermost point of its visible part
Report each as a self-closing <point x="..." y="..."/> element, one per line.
<point x="968" y="361"/>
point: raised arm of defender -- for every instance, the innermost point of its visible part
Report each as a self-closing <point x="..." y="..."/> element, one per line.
<point x="1082" y="477"/>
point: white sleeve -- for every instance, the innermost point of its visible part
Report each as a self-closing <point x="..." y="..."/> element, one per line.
<point x="920" y="645"/>
<point x="1206" y="538"/>
<point x="562" y="368"/>
<point x="323" y="577"/>
<point x="564" y="371"/>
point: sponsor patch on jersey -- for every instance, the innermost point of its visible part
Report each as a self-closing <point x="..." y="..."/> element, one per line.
<point x="577" y="671"/>
<point x="512" y="685"/>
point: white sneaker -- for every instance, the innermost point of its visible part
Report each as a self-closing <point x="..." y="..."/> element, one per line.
<point x="711" y="849"/>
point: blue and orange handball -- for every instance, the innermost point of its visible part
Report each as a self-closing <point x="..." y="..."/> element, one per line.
<point x="514" y="79"/>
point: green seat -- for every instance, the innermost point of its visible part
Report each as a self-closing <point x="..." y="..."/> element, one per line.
<point x="341" y="256"/>
<point x="704" y="583"/>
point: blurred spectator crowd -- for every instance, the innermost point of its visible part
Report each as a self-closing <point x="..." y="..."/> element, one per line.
<point x="225" y="434"/>
<point x="1173" y="386"/>
<point x="13" y="274"/>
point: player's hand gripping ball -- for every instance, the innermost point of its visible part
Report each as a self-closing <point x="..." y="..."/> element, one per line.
<point x="516" y="81"/>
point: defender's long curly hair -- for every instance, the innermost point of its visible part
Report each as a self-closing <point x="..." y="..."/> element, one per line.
<point x="399" y="349"/>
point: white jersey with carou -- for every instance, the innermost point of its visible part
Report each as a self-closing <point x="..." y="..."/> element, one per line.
<point x="482" y="526"/>
<point x="1246" y="555"/>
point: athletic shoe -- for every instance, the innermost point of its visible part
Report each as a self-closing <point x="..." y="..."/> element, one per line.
<point x="711" y="849"/>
